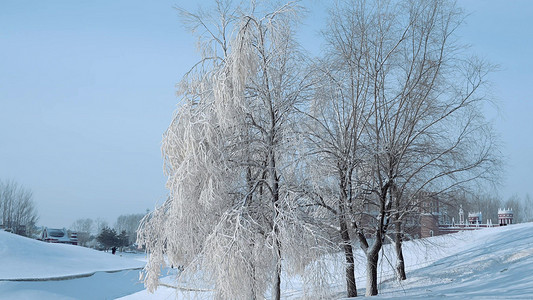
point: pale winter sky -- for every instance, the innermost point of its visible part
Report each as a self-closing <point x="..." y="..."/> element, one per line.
<point x="87" y="90"/>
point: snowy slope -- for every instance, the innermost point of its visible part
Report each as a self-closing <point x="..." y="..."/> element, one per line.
<point x="24" y="258"/>
<point x="493" y="263"/>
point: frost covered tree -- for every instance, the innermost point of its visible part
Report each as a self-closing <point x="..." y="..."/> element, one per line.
<point x="99" y="225"/>
<point x="84" y="229"/>
<point x="487" y="204"/>
<point x="335" y="122"/>
<point x="129" y="223"/>
<point x="517" y="205"/>
<point x="17" y="208"/>
<point x="270" y="163"/>
<point x="528" y="208"/>
<point x="232" y="209"/>
<point x="424" y="129"/>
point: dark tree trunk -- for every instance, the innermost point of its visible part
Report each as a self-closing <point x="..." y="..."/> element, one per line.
<point x="372" y="253"/>
<point x="400" y="264"/>
<point x="351" y="288"/>
<point x="398" y="237"/>
<point x="276" y="293"/>
<point x="274" y="184"/>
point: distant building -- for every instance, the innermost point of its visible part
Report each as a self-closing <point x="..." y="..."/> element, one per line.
<point x="475" y="218"/>
<point x="431" y="223"/>
<point x="54" y="235"/>
<point x="505" y="216"/>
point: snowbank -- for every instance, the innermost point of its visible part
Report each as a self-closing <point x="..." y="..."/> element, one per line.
<point x="27" y="259"/>
<point x="492" y="263"/>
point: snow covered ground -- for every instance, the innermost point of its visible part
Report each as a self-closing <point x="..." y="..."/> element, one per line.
<point x="31" y="269"/>
<point x="24" y="258"/>
<point x="493" y="263"/>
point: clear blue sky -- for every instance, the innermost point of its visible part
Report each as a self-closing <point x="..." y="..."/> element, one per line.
<point x="87" y="90"/>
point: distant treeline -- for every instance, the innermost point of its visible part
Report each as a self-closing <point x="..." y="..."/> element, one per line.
<point x="17" y="209"/>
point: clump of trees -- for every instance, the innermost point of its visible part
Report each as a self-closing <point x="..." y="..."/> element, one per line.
<point x="109" y="238"/>
<point x="129" y="224"/>
<point x="88" y="230"/>
<point x="84" y="229"/>
<point x="276" y="160"/>
<point x="19" y="214"/>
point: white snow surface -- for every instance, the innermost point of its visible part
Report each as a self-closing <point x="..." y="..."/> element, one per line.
<point x="31" y="269"/>
<point x="25" y="258"/>
<point x="492" y="263"/>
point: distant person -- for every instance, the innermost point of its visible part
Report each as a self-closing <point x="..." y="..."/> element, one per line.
<point x="114" y="250"/>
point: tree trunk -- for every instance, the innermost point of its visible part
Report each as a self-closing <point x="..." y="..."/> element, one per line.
<point x="400" y="264"/>
<point x="351" y="288"/>
<point x="276" y="289"/>
<point x="274" y="183"/>
<point x="372" y="272"/>
<point x="372" y="254"/>
<point x="398" y="237"/>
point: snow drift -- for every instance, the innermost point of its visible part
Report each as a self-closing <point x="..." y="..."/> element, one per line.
<point x="25" y="259"/>
<point x="492" y="263"/>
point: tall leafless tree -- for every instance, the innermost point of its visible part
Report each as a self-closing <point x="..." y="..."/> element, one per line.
<point x="129" y="223"/>
<point x="424" y="129"/>
<point x="528" y="208"/>
<point x="335" y="122"/>
<point x="17" y="207"/>
<point x="84" y="228"/>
